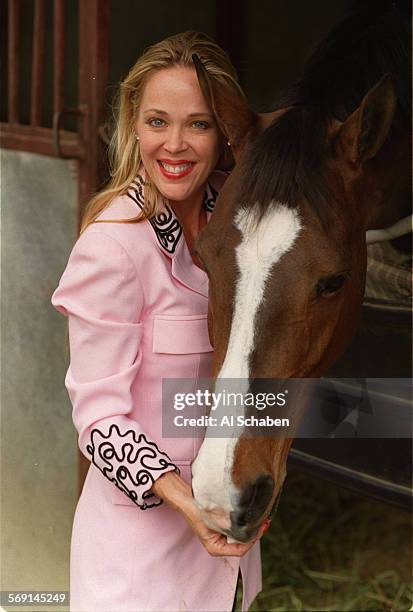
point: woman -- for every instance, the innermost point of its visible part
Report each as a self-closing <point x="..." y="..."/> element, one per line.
<point x="136" y="301"/>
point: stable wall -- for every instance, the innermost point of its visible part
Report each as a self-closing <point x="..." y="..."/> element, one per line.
<point x="38" y="443"/>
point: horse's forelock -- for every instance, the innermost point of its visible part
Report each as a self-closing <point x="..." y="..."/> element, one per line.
<point x="286" y="162"/>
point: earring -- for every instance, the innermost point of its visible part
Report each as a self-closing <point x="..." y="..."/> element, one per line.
<point x="137" y="137"/>
<point x="228" y="143"/>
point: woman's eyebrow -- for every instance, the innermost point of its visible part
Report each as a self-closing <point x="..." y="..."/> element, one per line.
<point x="200" y="115"/>
<point x="158" y="111"/>
<point x="155" y="110"/>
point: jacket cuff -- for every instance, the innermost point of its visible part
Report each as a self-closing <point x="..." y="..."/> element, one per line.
<point x="131" y="463"/>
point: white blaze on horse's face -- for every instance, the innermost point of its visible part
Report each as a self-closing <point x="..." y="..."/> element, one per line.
<point x="264" y="241"/>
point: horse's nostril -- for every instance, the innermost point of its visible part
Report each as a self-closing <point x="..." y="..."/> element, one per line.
<point x="240" y="519"/>
<point x="264" y="490"/>
<point x="258" y="493"/>
<point x="248" y="495"/>
<point x="254" y="501"/>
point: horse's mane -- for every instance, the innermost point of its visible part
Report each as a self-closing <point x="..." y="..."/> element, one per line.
<point x="286" y="160"/>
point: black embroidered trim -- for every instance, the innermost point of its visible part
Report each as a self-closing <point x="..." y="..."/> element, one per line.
<point x="211" y="198"/>
<point x="166" y="226"/>
<point x="134" y="456"/>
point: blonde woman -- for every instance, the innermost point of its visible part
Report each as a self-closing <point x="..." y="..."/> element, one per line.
<point x="136" y="300"/>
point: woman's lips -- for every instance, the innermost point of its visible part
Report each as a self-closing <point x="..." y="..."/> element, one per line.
<point x="175" y="169"/>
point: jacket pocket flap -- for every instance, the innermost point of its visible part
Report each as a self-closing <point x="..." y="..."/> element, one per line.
<point x="179" y="335"/>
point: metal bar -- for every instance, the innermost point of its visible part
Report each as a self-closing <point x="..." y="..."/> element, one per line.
<point x="57" y="120"/>
<point x="13" y="60"/>
<point x="39" y="140"/>
<point x="38" y="59"/>
<point x="362" y="482"/>
<point x="59" y="54"/>
<point x="93" y="79"/>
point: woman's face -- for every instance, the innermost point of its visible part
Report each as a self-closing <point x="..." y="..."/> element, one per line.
<point x="179" y="140"/>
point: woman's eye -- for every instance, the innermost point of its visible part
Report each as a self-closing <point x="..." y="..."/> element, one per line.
<point x="201" y="125"/>
<point x="156" y="122"/>
<point x="329" y="286"/>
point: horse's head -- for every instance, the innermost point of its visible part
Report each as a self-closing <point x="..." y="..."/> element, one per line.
<point x="286" y="258"/>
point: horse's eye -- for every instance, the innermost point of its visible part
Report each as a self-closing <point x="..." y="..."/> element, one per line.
<point x="329" y="286"/>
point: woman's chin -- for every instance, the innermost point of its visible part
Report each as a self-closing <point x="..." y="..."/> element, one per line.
<point x="177" y="192"/>
<point x="176" y="195"/>
<point x="180" y="190"/>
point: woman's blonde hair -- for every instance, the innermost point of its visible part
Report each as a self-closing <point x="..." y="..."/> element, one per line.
<point x="124" y="153"/>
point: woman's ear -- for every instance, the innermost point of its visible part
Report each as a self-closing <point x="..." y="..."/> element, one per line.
<point x="235" y="119"/>
<point x="226" y="159"/>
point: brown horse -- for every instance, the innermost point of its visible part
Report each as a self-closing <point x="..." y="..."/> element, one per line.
<point x="285" y="249"/>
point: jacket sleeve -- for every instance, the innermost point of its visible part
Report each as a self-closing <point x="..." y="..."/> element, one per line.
<point x="101" y="295"/>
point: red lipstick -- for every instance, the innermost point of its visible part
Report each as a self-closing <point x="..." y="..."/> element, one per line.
<point x="175" y="169"/>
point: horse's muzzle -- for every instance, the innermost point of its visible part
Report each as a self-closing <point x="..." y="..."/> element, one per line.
<point x="252" y="508"/>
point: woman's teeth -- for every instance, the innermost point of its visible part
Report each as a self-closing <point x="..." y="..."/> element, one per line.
<point x="175" y="169"/>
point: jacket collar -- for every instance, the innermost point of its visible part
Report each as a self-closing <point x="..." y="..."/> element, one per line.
<point x="170" y="239"/>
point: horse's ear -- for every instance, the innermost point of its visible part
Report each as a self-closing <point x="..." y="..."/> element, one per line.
<point x="363" y="133"/>
<point x="234" y="117"/>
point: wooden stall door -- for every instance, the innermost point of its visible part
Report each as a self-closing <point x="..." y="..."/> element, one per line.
<point x="47" y="135"/>
<point x="51" y="126"/>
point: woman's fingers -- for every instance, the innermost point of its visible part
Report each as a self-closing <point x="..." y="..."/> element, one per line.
<point x="215" y="543"/>
<point x="217" y="546"/>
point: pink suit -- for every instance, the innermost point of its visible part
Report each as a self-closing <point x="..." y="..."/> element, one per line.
<point x="137" y="309"/>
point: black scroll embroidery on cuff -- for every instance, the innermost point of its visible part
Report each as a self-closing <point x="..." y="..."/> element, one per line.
<point x="166" y="226"/>
<point x="129" y="462"/>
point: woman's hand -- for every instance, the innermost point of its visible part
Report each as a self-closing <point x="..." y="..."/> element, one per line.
<point x="215" y="543"/>
<point x="177" y="493"/>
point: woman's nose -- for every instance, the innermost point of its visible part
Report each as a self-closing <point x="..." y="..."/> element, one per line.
<point x="175" y="141"/>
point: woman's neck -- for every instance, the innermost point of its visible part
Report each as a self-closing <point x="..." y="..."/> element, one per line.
<point x="191" y="215"/>
<point x="192" y="218"/>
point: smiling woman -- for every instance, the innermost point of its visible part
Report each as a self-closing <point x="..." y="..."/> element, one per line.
<point x="137" y="304"/>
<point x="179" y="142"/>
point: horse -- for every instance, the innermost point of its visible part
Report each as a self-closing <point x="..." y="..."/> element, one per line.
<point x="285" y="249"/>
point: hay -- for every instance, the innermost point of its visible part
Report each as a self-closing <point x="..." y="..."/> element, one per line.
<point x="330" y="549"/>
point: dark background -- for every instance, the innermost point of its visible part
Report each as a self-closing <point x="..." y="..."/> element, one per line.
<point x="268" y="41"/>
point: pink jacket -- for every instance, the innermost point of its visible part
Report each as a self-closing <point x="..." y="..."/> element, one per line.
<point x="137" y="309"/>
